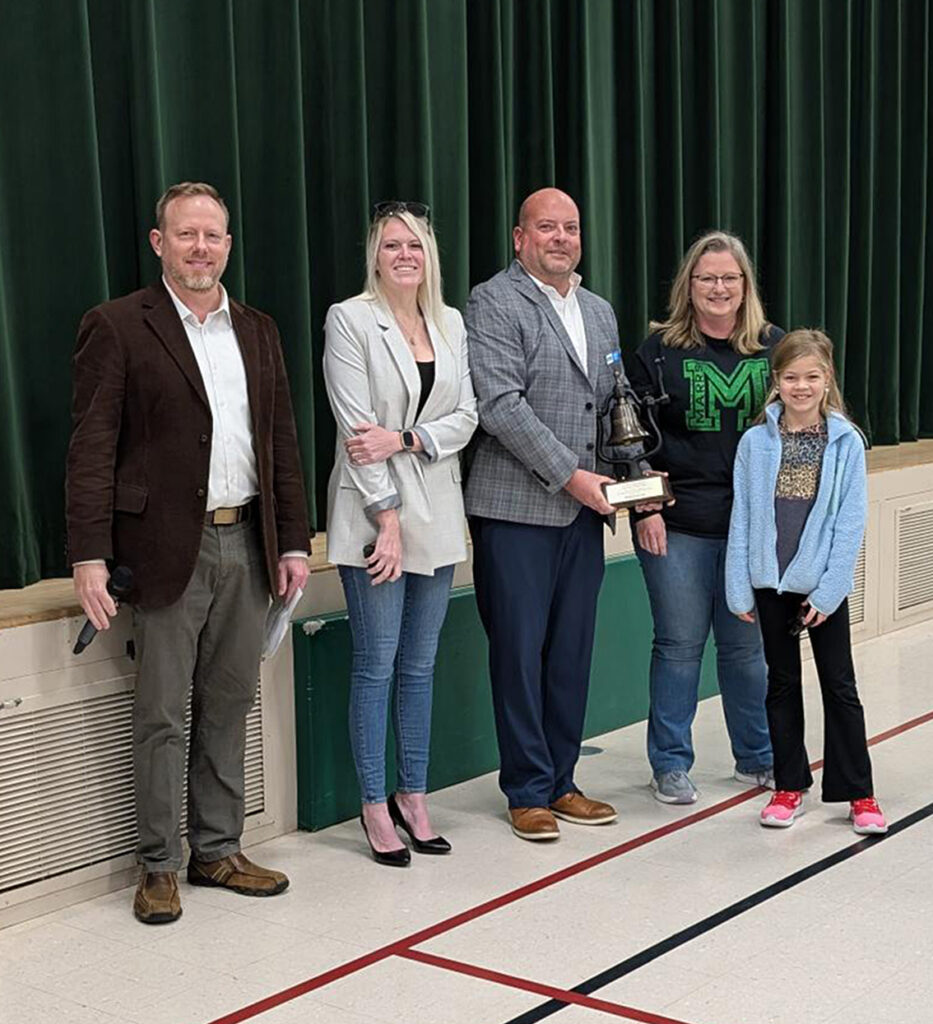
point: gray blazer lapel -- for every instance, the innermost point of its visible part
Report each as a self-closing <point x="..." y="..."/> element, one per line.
<point x="445" y="373"/>
<point x="526" y="286"/>
<point x="404" y="360"/>
<point x="598" y="341"/>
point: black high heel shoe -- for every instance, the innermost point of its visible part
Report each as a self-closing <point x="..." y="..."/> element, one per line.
<point x="399" y="858"/>
<point x="436" y="845"/>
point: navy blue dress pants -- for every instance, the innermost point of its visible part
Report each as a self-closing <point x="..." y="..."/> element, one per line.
<point x="536" y="587"/>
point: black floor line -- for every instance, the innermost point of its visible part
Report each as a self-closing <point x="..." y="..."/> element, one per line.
<point x="694" y="931"/>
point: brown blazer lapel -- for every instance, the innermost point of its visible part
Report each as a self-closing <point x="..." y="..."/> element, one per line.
<point x="248" y="339"/>
<point x="161" y="315"/>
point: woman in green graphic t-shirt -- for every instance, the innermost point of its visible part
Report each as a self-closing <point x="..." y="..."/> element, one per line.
<point x="713" y="352"/>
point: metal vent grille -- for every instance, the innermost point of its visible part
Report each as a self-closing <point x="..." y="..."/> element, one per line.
<point x="914" y="556"/>
<point x="66" y="786"/>
<point x="857" y="597"/>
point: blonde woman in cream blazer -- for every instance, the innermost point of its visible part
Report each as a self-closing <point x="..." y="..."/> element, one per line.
<point x="398" y="381"/>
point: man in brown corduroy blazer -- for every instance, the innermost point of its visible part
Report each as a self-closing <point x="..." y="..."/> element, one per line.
<point x="184" y="467"/>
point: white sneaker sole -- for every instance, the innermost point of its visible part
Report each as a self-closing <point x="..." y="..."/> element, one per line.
<point x="665" y="799"/>
<point x="869" y="830"/>
<point x="770" y="822"/>
<point x="536" y="837"/>
<point x="748" y="780"/>
<point x="607" y="820"/>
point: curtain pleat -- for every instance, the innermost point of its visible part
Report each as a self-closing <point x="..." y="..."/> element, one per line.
<point x="802" y="125"/>
<point x="924" y="284"/>
<point x="914" y="213"/>
<point x="52" y="267"/>
<point x="490" y="158"/>
<point x="836" y="159"/>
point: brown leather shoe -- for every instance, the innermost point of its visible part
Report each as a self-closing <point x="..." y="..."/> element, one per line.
<point x="238" y="873"/>
<point x="581" y="810"/>
<point x="157" y="900"/>
<point x="533" y="823"/>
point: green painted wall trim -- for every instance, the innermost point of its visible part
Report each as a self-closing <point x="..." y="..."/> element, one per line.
<point x="463" y="741"/>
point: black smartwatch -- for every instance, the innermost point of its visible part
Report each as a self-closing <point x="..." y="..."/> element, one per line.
<point x="408" y="440"/>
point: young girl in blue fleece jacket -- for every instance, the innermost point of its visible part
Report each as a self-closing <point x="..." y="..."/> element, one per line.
<point x="797" y="523"/>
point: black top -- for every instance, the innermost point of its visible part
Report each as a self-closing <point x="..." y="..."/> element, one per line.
<point x="715" y="395"/>
<point x="426" y="373"/>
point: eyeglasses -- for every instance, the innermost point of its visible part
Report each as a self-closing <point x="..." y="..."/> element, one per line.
<point x="390" y="207"/>
<point x="709" y="280"/>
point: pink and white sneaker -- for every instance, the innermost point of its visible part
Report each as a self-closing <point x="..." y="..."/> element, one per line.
<point x="782" y="809"/>
<point x="867" y="818"/>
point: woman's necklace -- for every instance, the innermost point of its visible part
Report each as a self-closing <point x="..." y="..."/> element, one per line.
<point x="410" y="333"/>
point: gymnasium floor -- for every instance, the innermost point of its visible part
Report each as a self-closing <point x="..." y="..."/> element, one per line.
<point x="671" y="916"/>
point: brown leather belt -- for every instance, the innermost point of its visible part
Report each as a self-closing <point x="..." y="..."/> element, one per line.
<point x="229" y="516"/>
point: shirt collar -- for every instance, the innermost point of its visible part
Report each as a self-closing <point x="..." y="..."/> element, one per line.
<point x="186" y="315"/>
<point x="552" y="292"/>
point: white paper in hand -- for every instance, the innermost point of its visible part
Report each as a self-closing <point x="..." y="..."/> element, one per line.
<point x="278" y="619"/>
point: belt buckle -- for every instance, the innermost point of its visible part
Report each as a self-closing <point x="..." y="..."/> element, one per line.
<point x="226" y="516"/>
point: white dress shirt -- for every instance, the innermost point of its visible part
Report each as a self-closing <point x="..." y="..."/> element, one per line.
<point x="568" y="309"/>
<point x="232" y="479"/>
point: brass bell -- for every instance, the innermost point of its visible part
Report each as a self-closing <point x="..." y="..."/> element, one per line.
<point x="626" y="426"/>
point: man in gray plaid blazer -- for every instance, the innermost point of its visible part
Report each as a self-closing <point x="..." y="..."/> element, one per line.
<point x="538" y="343"/>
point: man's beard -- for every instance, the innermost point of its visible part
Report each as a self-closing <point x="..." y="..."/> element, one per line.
<point x="194" y="282"/>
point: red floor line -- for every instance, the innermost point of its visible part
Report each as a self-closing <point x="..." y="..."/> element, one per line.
<point x="432" y="931"/>
<point x="464" y="917"/>
<point x="898" y="729"/>
<point x="525" y="984"/>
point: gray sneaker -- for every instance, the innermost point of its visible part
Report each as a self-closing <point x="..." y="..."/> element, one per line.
<point x="764" y="778"/>
<point x="674" y="788"/>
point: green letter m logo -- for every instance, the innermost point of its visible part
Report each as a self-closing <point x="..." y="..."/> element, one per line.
<point x="711" y="390"/>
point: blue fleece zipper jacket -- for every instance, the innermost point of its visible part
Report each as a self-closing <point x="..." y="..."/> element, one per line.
<point x="824" y="564"/>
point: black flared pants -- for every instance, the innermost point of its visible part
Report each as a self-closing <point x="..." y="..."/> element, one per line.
<point x="847" y="766"/>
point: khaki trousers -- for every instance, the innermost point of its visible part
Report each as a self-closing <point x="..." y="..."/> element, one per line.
<point x="208" y="642"/>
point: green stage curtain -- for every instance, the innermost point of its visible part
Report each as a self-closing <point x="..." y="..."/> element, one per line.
<point x="803" y="125"/>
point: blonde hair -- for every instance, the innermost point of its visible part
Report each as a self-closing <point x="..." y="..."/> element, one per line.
<point x="430" y="294"/>
<point x="188" y="188"/>
<point x="680" y="330"/>
<point x="799" y="344"/>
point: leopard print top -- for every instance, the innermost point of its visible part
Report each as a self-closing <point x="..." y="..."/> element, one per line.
<point x="801" y="459"/>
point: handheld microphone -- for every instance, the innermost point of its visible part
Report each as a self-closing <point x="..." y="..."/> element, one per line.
<point x="118" y="587"/>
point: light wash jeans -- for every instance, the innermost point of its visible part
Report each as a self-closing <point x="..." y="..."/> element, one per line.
<point x="395" y="629"/>
<point x="687" y="592"/>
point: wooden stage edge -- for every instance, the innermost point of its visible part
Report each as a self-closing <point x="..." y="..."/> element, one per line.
<point x="54" y="598"/>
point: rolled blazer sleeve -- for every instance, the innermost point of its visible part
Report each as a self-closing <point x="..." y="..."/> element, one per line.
<point x="346" y="376"/>
<point x="448" y="434"/>
<point x="99" y="390"/>
<point x="499" y="368"/>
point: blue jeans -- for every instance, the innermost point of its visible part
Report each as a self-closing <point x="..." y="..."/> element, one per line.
<point x="687" y="592"/>
<point x="395" y="629"/>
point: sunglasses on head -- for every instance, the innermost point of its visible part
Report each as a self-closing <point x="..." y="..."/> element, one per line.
<point x="393" y="206"/>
